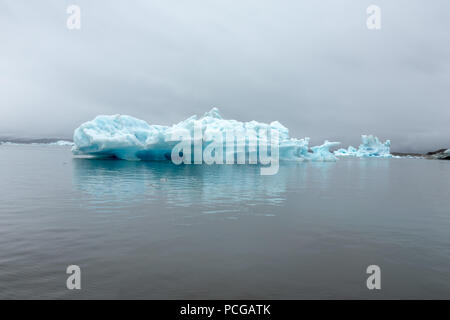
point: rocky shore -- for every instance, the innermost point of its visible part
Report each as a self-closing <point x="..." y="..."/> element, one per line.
<point x="441" y="154"/>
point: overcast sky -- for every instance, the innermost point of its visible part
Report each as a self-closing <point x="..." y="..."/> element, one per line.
<point x="313" y="65"/>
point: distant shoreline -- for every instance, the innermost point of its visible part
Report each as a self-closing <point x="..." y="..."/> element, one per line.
<point x="437" y="154"/>
<point x="32" y="140"/>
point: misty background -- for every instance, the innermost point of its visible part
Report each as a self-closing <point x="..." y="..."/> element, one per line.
<point x="312" y="65"/>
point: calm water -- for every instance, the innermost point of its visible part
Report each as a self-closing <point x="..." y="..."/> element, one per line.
<point x="156" y="230"/>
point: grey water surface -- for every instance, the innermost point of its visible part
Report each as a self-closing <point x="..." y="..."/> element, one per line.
<point x="154" y="230"/>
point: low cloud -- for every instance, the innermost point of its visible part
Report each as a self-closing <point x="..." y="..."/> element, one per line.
<point x="313" y="65"/>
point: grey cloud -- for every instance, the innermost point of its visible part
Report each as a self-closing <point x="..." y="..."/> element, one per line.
<point x="312" y="65"/>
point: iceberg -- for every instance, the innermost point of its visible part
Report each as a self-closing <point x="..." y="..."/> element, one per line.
<point x="61" y="143"/>
<point x="129" y="138"/>
<point x="370" y="147"/>
<point x="322" y="152"/>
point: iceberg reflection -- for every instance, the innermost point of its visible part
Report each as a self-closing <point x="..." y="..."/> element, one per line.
<point x="109" y="182"/>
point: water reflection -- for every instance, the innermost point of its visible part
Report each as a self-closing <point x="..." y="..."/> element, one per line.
<point x="123" y="182"/>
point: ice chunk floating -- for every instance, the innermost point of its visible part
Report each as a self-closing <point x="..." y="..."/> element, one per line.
<point x="128" y="138"/>
<point x="370" y="147"/>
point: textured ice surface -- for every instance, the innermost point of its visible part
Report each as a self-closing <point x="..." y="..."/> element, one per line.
<point x="321" y="153"/>
<point x="129" y="138"/>
<point x="351" y="151"/>
<point x="370" y="147"/>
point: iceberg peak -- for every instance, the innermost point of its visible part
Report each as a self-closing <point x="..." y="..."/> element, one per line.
<point x="213" y="113"/>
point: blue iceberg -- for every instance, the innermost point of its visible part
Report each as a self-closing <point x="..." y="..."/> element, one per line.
<point x="128" y="138"/>
<point x="370" y="147"/>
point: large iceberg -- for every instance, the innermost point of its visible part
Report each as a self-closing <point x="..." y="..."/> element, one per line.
<point x="370" y="147"/>
<point x="128" y="138"/>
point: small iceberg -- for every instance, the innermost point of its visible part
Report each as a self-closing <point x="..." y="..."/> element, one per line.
<point x="61" y="143"/>
<point x="371" y="147"/>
